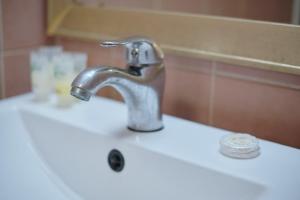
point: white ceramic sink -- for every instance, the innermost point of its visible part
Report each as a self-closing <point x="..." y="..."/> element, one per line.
<point x="52" y="153"/>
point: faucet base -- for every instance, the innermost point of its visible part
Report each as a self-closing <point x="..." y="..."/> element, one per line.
<point x="145" y="131"/>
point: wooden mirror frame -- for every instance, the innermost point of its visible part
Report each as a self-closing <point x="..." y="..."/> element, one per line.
<point x="264" y="45"/>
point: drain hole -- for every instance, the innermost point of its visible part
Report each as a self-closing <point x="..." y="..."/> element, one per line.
<point x="116" y="160"/>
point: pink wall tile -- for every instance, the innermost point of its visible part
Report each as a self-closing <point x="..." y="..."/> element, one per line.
<point x="17" y="74"/>
<point x="258" y="74"/>
<point x="188" y="63"/>
<point x="97" y="55"/>
<point x="187" y="95"/>
<point x="24" y="23"/>
<point x="187" y="91"/>
<point x="266" y="111"/>
<point x="190" y="6"/>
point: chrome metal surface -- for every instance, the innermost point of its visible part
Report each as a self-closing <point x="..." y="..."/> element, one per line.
<point x="139" y="51"/>
<point x="141" y="84"/>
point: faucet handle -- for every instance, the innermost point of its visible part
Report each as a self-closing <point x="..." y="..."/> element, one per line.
<point x="139" y="50"/>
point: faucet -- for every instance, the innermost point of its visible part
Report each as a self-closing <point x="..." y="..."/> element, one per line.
<point x="141" y="83"/>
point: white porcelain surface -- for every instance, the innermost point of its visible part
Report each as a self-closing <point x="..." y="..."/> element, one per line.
<point x="52" y="153"/>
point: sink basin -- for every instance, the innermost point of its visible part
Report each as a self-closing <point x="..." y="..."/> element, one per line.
<point x="63" y="154"/>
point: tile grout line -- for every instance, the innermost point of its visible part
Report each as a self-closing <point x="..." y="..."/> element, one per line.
<point x="242" y="77"/>
<point x="258" y="80"/>
<point x="2" y="82"/>
<point x="191" y="69"/>
<point x="19" y="51"/>
<point x="212" y="94"/>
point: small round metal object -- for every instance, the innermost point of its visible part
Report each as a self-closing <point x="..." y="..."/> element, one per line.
<point x="116" y="160"/>
<point x="239" y="145"/>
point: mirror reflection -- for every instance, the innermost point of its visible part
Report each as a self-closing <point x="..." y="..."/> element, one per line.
<point x="282" y="11"/>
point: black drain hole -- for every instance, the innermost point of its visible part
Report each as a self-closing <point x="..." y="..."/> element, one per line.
<point x="116" y="160"/>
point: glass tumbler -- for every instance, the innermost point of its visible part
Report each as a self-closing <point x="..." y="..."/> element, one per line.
<point x="63" y="76"/>
<point x="41" y="76"/>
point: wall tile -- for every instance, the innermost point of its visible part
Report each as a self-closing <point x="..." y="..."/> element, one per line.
<point x="192" y="6"/>
<point x="187" y="90"/>
<point x="17" y="74"/>
<point x="266" y="111"/>
<point x="271" y="77"/>
<point x="24" y="23"/>
<point x="97" y="55"/>
<point x="188" y="63"/>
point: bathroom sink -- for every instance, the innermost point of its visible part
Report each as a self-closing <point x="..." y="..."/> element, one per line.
<point x="52" y="153"/>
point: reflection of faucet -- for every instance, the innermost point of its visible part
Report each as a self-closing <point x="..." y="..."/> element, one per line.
<point x="141" y="84"/>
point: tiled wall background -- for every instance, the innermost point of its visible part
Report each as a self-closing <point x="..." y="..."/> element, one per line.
<point x="24" y="28"/>
<point x="237" y="98"/>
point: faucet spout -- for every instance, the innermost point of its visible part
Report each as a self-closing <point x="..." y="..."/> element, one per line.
<point x="141" y="89"/>
<point x="88" y="82"/>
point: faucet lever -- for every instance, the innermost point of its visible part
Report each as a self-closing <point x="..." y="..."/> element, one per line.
<point x="139" y="50"/>
<point x="110" y="43"/>
<point x="113" y="43"/>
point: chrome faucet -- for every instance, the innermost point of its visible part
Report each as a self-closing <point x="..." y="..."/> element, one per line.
<point x="141" y="84"/>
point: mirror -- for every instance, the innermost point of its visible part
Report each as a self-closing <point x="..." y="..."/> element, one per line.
<point x="281" y="11"/>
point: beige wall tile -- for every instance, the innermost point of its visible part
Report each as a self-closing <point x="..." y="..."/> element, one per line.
<point x="24" y="23"/>
<point x="17" y="74"/>
<point x="266" y="111"/>
<point x="145" y="4"/>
